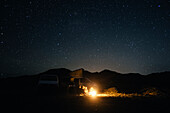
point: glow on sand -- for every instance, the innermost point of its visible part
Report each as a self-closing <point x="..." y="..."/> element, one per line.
<point x="92" y="92"/>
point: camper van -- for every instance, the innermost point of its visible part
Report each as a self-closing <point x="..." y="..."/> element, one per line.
<point x="48" y="84"/>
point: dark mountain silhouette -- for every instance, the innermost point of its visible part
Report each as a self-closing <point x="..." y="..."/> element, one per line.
<point x="159" y="80"/>
<point x="59" y="72"/>
<point x="125" y="83"/>
<point x="131" y="82"/>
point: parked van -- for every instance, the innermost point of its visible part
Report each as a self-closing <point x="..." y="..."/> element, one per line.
<point x="48" y="84"/>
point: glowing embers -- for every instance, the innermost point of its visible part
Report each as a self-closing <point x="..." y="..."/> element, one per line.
<point x="85" y="90"/>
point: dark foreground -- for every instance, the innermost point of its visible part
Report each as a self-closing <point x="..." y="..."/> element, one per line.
<point x="73" y="104"/>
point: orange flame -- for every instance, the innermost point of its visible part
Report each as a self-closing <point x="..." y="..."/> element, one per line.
<point x="90" y="92"/>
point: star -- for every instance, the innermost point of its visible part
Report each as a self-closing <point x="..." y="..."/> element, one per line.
<point x="59" y="34"/>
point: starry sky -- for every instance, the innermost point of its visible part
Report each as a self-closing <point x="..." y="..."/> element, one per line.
<point x="127" y="36"/>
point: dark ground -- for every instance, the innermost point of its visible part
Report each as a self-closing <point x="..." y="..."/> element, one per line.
<point x="73" y="104"/>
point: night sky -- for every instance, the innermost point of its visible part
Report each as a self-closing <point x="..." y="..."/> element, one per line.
<point x="127" y="36"/>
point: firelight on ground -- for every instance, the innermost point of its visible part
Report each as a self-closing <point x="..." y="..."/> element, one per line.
<point x="112" y="92"/>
